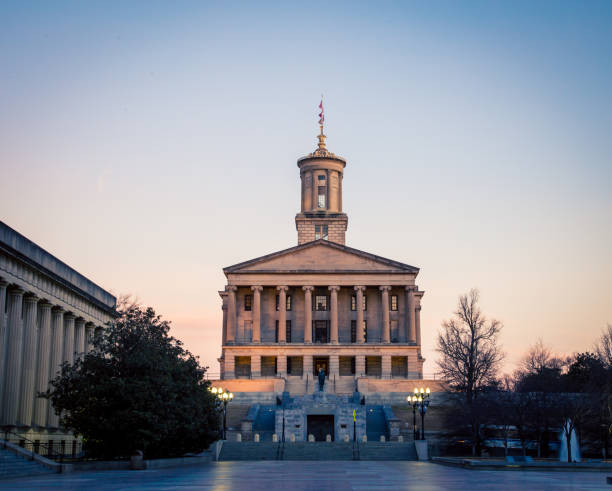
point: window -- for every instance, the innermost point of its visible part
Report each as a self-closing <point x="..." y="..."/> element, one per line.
<point x="353" y="331"/>
<point x="287" y="302"/>
<point x="393" y="302"/>
<point x="321" y="177"/>
<point x="321" y="232"/>
<point x="321" y="195"/>
<point x="276" y="331"/>
<point x="365" y="330"/>
<point x="248" y="302"/>
<point x="354" y="302"/>
<point x="288" y="331"/>
<point x="320" y="302"/>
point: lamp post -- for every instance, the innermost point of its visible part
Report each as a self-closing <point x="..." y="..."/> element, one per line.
<point x="419" y="400"/>
<point x="224" y="397"/>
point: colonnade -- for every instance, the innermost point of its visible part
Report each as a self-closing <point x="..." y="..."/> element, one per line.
<point x="411" y="302"/>
<point x="36" y="337"/>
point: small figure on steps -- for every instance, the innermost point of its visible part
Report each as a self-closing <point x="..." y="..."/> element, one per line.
<point x="321" y="379"/>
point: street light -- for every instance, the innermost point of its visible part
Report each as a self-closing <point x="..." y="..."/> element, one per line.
<point x="223" y="397"/>
<point x="419" y="400"/>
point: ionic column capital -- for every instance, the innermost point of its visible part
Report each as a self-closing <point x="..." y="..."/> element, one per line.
<point x="257" y="288"/>
<point x="411" y="288"/>
<point x="79" y="321"/>
<point x="333" y="288"/>
<point x="231" y="288"/>
<point x="282" y="288"/>
<point x="45" y="304"/>
<point x="31" y="298"/>
<point x="3" y="283"/>
<point x="359" y="288"/>
<point x="17" y="291"/>
<point x="58" y="310"/>
<point x="384" y="288"/>
<point x="308" y="288"/>
<point x="69" y="316"/>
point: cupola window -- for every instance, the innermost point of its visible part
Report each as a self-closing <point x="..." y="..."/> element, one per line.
<point x="321" y="232"/>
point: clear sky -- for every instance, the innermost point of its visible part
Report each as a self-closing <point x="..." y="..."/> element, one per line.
<point x="149" y="144"/>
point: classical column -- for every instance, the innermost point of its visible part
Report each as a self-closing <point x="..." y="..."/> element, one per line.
<point x="410" y="322"/>
<point x="69" y="338"/>
<point x="281" y="365"/>
<point x="42" y="372"/>
<point x="333" y="335"/>
<point x="360" y="366"/>
<point x="308" y="316"/>
<point x="256" y="314"/>
<point x="28" y="371"/>
<point x="386" y="366"/>
<point x="418" y="325"/>
<point x="282" y="313"/>
<point x="3" y="285"/>
<point x="386" y="329"/>
<point x="334" y="367"/>
<point x="89" y="336"/>
<point x="57" y="341"/>
<point x="231" y="313"/>
<point x="255" y="366"/>
<point x="360" y="331"/>
<point x="79" y="337"/>
<point x="307" y="367"/>
<point x="12" y="375"/>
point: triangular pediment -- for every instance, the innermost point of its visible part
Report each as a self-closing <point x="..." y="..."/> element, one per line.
<point x="321" y="256"/>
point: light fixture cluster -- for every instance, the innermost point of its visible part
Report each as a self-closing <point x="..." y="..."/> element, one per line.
<point x="419" y="395"/>
<point x="222" y="394"/>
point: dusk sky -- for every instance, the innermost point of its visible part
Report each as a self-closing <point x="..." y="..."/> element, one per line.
<point x="150" y="144"/>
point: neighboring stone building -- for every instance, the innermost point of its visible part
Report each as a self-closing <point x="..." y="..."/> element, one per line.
<point x="49" y="314"/>
<point x="321" y="305"/>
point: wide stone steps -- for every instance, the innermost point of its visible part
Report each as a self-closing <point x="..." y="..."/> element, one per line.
<point x="12" y="466"/>
<point x="248" y="451"/>
<point x="235" y="414"/>
<point x="387" y="451"/>
<point x="317" y="451"/>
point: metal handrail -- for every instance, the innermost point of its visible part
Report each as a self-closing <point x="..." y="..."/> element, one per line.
<point x="34" y="445"/>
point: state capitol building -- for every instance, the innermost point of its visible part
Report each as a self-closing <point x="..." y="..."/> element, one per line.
<point x="321" y="304"/>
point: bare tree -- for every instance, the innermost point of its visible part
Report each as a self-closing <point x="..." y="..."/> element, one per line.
<point x="469" y="359"/>
<point x="539" y="358"/>
<point x="127" y="301"/>
<point x="470" y="356"/>
<point x="603" y="346"/>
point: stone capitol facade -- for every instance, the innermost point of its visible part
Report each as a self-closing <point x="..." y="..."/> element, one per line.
<point x="320" y="305"/>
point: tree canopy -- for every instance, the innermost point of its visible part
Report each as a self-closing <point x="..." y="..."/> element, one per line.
<point x="138" y="389"/>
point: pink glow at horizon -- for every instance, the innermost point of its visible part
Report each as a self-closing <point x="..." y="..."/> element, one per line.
<point x="149" y="146"/>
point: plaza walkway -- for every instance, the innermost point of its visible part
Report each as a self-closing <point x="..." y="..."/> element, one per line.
<point x="297" y="476"/>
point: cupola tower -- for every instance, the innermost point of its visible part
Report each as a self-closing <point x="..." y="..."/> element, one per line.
<point x="321" y="214"/>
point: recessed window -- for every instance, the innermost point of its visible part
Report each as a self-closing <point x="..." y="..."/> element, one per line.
<point x="321" y="232"/>
<point x="288" y="331"/>
<point x="320" y="302"/>
<point x="321" y="197"/>
<point x="353" y="331"/>
<point x="393" y="302"/>
<point x="365" y="330"/>
<point x="354" y="302"/>
<point x="248" y="302"/>
<point x="288" y="302"/>
<point x="321" y="177"/>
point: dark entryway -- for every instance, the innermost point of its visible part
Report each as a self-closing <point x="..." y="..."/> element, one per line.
<point x="319" y="362"/>
<point x="321" y="425"/>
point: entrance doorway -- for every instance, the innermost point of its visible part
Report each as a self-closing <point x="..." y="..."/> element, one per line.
<point x="319" y="362"/>
<point x="321" y="425"/>
<point x="320" y="332"/>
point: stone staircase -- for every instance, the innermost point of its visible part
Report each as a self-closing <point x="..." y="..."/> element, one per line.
<point x="235" y="414"/>
<point x="404" y="413"/>
<point x="317" y="451"/>
<point x="387" y="451"/>
<point x="248" y="451"/>
<point x="13" y="465"/>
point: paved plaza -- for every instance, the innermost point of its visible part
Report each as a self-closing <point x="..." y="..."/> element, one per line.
<point x="296" y="476"/>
